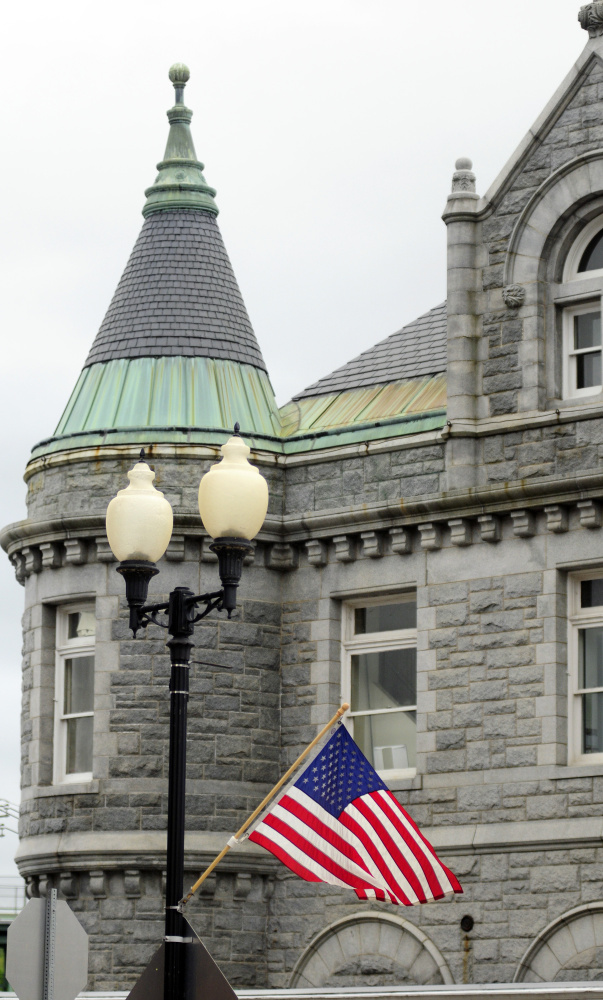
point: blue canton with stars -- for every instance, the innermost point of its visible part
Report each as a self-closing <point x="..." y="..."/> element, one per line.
<point x="339" y="774"/>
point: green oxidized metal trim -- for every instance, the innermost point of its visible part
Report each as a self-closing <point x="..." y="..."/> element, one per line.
<point x="180" y="182"/>
<point x="197" y="401"/>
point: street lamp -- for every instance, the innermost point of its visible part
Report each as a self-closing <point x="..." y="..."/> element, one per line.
<point x="233" y="500"/>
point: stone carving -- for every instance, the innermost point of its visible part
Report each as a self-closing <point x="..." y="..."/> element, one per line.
<point x="103" y="550"/>
<point x="76" y="551"/>
<point x="33" y="560"/>
<point x="401" y="541"/>
<point x="489" y="526"/>
<point x="372" y="544"/>
<point x="590" y="514"/>
<point x="514" y="296"/>
<point x="344" y="548"/>
<point x="590" y="17"/>
<point x="431" y="536"/>
<point x="523" y="523"/>
<point x="175" y="549"/>
<point x="460" y="531"/>
<point x="556" y="519"/>
<point x="282" y="557"/>
<point x="463" y="178"/>
<point x="317" y="552"/>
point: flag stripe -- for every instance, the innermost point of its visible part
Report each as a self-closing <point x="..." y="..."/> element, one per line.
<point x="316" y="823"/>
<point x="395" y="878"/>
<point x="275" y="838"/>
<point x="329" y="863"/>
<point x="340" y="824"/>
<point x="423" y="884"/>
<point x="423" y="850"/>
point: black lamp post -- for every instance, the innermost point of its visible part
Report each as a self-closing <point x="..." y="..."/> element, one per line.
<point x="233" y="499"/>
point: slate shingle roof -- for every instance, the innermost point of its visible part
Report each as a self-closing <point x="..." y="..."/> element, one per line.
<point x="178" y="296"/>
<point x="416" y="350"/>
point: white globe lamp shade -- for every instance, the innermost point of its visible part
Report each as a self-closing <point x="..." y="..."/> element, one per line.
<point x="233" y="496"/>
<point x="139" y="519"/>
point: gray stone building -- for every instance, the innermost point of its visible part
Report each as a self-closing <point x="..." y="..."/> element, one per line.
<point x="433" y="553"/>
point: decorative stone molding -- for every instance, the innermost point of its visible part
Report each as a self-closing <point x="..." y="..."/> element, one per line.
<point x="97" y="884"/>
<point x="556" y="519"/>
<point x="33" y="560"/>
<point x="400" y="540"/>
<point x="590" y="514"/>
<point x="208" y="887"/>
<point x="393" y="947"/>
<point x="242" y="886"/>
<point x="68" y="885"/>
<point x="132" y="882"/>
<point x="51" y="555"/>
<point x="372" y="544"/>
<point x="345" y="550"/>
<point x="175" y="549"/>
<point x="489" y="527"/>
<point x="317" y="552"/>
<point x="431" y="536"/>
<point x="523" y="523"/>
<point x="282" y="557"/>
<point x="569" y="942"/>
<point x="76" y="551"/>
<point x="103" y="550"/>
<point x="463" y="178"/>
<point x="18" y="561"/>
<point x="590" y="17"/>
<point x="513" y="296"/>
<point x="460" y="531"/>
<point x="43" y="886"/>
<point x="249" y="559"/>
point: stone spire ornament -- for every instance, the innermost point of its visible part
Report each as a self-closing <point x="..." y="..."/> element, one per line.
<point x="180" y="182"/>
<point x="463" y="178"/>
<point x="590" y="17"/>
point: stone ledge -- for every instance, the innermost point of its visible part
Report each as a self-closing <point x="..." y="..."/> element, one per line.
<point x="81" y="851"/>
<point x="529" y="835"/>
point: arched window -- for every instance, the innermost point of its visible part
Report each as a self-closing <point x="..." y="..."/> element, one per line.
<point x="581" y="317"/>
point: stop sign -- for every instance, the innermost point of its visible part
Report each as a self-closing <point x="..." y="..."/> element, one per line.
<point x="26" y="952"/>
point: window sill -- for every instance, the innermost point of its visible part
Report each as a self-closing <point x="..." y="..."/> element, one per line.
<point x="403" y="781"/>
<point x="89" y="787"/>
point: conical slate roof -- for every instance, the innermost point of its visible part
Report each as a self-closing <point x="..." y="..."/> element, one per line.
<point x="176" y="359"/>
<point x="178" y="296"/>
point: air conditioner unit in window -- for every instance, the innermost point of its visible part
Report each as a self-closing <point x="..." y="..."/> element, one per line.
<point x="391" y="758"/>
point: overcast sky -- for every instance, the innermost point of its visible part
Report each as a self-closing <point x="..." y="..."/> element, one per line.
<point x="329" y="129"/>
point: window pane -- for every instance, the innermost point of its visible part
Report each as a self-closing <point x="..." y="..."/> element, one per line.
<point x="591" y="593"/>
<point x="592" y="258"/>
<point x="385" y="617"/>
<point x="387" y="740"/>
<point x="79" y="745"/>
<point x="80" y="624"/>
<point x="384" y="680"/>
<point x="588" y="370"/>
<point x="587" y="330"/>
<point x="590" y="657"/>
<point x="79" y="685"/>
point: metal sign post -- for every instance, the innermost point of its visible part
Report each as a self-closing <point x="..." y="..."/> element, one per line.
<point x="47" y="951"/>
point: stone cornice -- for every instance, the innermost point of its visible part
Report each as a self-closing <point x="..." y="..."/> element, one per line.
<point x="134" y="849"/>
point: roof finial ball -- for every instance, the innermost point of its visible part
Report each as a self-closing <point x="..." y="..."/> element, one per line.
<point x="179" y="75"/>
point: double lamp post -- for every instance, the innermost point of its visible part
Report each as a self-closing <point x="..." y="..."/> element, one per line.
<point x="233" y="500"/>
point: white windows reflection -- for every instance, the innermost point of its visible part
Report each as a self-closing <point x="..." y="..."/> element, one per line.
<point x="74" y="700"/>
<point x="380" y="681"/>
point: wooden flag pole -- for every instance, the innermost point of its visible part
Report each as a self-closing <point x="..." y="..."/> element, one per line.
<point x="256" y="812"/>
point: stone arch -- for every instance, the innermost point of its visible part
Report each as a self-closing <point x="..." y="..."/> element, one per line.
<point x="576" y="182"/>
<point x="542" y="236"/>
<point x="569" y="949"/>
<point x="370" y="949"/>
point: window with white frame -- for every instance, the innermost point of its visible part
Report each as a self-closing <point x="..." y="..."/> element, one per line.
<point x="585" y="668"/>
<point x="74" y="693"/>
<point x="379" y="680"/>
<point x="580" y="296"/>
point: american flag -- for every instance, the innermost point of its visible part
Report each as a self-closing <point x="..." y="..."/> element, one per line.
<point x="339" y="823"/>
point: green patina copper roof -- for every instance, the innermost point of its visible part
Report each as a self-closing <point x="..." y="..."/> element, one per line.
<point x="180" y="182"/>
<point x="194" y="401"/>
